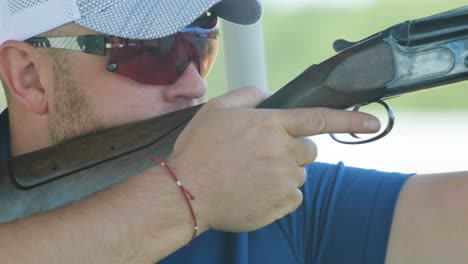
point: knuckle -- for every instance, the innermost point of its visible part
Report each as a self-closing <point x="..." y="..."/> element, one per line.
<point x="215" y="103"/>
<point x="308" y="152"/>
<point x="309" y="145"/>
<point x="257" y="92"/>
<point x="318" y="120"/>
<point x="302" y="177"/>
<point x="296" y="199"/>
<point x="312" y="151"/>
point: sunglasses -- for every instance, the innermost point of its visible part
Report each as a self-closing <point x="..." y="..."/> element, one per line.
<point x="156" y="62"/>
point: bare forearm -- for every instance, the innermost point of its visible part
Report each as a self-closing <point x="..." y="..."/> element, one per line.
<point x="139" y="221"/>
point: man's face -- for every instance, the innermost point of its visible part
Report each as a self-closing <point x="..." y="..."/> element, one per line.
<point x="86" y="97"/>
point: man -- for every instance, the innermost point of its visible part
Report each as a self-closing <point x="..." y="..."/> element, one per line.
<point x="245" y="167"/>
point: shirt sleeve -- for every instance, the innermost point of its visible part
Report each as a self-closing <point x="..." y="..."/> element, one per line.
<point x="346" y="215"/>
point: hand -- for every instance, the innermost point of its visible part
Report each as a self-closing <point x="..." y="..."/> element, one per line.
<point x="245" y="165"/>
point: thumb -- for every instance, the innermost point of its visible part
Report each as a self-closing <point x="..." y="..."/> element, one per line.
<point x="248" y="97"/>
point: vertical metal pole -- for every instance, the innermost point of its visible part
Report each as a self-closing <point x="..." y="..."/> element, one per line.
<point x="245" y="55"/>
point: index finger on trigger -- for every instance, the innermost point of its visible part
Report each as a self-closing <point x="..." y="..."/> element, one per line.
<point x="305" y="122"/>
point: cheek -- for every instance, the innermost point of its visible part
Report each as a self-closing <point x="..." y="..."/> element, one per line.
<point x="115" y="100"/>
<point x="123" y="102"/>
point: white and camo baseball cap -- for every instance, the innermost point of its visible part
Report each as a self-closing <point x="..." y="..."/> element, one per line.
<point x="136" y="19"/>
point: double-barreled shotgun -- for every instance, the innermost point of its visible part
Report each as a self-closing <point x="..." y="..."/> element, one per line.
<point x="407" y="57"/>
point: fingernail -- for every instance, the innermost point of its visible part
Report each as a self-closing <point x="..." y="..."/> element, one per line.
<point x="372" y="125"/>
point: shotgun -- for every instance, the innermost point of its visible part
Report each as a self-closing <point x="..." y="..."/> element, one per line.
<point x="410" y="56"/>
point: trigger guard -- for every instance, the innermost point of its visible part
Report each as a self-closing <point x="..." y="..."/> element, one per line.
<point x="390" y="124"/>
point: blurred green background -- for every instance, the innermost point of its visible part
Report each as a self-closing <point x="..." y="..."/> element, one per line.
<point x="297" y="38"/>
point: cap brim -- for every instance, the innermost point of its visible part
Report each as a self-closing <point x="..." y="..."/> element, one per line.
<point x="150" y="19"/>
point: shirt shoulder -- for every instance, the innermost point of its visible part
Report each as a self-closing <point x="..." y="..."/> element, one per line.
<point x="346" y="214"/>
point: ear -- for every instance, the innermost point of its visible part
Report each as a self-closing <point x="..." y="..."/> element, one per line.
<point x="18" y="69"/>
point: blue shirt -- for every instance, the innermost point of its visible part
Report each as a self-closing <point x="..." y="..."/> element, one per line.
<point x="346" y="217"/>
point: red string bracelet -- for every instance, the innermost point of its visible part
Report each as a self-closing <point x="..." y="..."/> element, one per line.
<point x="187" y="195"/>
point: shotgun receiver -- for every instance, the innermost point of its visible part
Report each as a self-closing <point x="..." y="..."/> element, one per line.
<point x="407" y="57"/>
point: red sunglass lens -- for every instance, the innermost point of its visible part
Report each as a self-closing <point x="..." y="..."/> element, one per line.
<point x="163" y="61"/>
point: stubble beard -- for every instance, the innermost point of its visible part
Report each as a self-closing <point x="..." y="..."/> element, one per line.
<point x="73" y="115"/>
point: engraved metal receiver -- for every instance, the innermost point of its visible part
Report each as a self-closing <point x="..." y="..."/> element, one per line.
<point x="425" y="51"/>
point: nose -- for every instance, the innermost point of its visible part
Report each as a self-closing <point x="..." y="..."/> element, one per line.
<point x="189" y="86"/>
